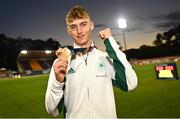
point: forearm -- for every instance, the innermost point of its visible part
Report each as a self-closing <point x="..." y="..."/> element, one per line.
<point x="54" y="94"/>
<point x="125" y="77"/>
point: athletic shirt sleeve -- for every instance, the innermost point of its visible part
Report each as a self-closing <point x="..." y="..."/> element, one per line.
<point x="54" y="94"/>
<point x="123" y="75"/>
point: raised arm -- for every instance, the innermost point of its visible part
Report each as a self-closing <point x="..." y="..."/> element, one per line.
<point x="124" y="77"/>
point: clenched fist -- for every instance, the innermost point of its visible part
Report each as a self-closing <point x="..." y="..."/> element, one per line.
<point x="60" y="68"/>
<point x="103" y="34"/>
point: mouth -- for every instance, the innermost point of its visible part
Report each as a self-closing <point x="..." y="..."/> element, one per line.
<point x="80" y="36"/>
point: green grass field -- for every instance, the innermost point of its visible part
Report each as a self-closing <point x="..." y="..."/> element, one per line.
<point x="152" y="98"/>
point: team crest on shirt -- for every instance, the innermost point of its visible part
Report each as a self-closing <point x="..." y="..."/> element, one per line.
<point x="101" y="66"/>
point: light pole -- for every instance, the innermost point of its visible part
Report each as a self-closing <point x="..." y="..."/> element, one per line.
<point x="122" y="25"/>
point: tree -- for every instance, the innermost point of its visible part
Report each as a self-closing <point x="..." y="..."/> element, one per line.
<point x="159" y="40"/>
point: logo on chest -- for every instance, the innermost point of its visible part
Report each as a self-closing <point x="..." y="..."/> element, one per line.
<point x="101" y="66"/>
<point x="71" y="71"/>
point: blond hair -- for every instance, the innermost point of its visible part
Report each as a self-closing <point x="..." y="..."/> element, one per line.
<point x="76" y="12"/>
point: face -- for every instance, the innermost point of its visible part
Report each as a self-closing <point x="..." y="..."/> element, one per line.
<point x="80" y="30"/>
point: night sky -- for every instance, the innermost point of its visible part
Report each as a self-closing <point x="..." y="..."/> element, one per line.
<point x="43" y="19"/>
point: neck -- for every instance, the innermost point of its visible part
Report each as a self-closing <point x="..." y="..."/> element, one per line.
<point x="87" y="44"/>
<point x="84" y="45"/>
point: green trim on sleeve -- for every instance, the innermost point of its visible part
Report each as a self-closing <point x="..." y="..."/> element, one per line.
<point x="120" y="76"/>
<point x="61" y="106"/>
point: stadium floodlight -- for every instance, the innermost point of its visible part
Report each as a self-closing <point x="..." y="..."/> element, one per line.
<point x="48" y="51"/>
<point x="122" y="25"/>
<point x="23" y="51"/>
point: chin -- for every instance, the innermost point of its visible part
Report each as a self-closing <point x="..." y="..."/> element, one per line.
<point x="82" y="43"/>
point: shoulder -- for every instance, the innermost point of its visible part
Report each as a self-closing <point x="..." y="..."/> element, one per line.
<point x="100" y="53"/>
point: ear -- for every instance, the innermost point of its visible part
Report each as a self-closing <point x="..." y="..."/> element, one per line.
<point x="68" y="31"/>
<point x="92" y="25"/>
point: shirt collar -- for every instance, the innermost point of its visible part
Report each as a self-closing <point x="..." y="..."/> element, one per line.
<point x="78" y="46"/>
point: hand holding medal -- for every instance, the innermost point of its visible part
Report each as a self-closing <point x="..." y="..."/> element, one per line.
<point x="60" y="66"/>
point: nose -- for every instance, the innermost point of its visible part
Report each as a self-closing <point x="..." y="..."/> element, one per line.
<point x="79" y="30"/>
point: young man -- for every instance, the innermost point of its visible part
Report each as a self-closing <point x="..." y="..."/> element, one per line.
<point x="88" y="89"/>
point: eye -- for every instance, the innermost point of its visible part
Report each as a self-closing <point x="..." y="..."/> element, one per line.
<point x="84" y="24"/>
<point x="73" y="27"/>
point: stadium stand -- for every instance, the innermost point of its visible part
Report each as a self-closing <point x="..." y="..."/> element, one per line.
<point x="35" y="61"/>
<point x="44" y="64"/>
<point x="26" y="64"/>
<point x="35" y="65"/>
<point x="155" y="60"/>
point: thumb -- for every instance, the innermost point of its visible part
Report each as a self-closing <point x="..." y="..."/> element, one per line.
<point x="101" y="35"/>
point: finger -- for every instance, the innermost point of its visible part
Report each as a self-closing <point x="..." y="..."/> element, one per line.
<point x="101" y="35"/>
<point x="60" y="62"/>
<point x="60" y="70"/>
<point x="60" y="67"/>
<point x="63" y="66"/>
<point x="63" y="71"/>
<point x="63" y="59"/>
